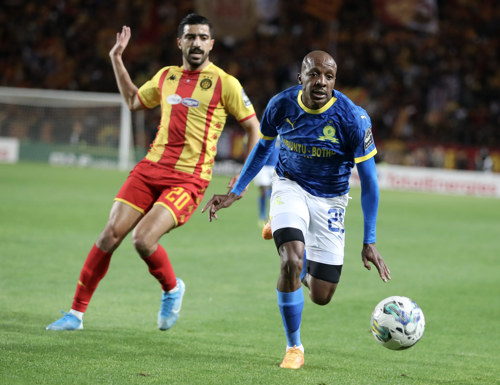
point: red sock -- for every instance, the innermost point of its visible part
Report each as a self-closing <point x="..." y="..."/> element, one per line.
<point x="94" y="269"/>
<point x="161" y="268"/>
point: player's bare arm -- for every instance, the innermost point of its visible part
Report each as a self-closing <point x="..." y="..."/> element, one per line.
<point x="251" y="127"/>
<point x="218" y="202"/>
<point x="369" y="253"/>
<point x="127" y="88"/>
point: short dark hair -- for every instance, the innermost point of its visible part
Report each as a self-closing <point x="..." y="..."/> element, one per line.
<point x="194" y="19"/>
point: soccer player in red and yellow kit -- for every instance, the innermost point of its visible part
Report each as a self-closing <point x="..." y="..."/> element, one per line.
<point x="165" y="188"/>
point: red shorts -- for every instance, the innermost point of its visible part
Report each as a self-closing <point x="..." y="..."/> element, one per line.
<point x="150" y="184"/>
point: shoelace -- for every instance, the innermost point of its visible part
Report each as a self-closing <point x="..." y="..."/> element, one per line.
<point x="292" y="354"/>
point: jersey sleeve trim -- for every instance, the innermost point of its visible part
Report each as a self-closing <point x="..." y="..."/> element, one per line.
<point x="262" y="136"/>
<point x="248" y="117"/>
<point x="140" y="100"/>
<point x="368" y="156"/>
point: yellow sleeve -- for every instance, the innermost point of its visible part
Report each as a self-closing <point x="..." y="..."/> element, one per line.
<point x="149" y="92"/>
<point x="234" y="98"/>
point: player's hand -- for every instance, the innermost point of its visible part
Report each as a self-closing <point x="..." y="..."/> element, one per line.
<point x="231" y="184"/>
<point x="122" y="39"/>
<point x="218" y="202"/>
<point x="371" y="254"/>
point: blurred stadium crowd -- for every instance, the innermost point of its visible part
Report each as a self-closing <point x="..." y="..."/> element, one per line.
<point x="431" y="85"/>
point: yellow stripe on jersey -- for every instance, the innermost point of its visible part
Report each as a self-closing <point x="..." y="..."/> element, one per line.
<point x="266" y="137"/>
<point x="156" y="152"/>
<point x="196" y="123"/>
<point x="367" y="156"/>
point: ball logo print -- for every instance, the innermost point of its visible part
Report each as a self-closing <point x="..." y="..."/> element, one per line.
<point x="397" y="323"/>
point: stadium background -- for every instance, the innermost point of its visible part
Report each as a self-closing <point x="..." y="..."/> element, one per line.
<point x="442" y="250"/>
<point x="426" y="70"/>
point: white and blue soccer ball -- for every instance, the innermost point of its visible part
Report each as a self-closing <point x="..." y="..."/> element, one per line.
<point x="397" y="323"/>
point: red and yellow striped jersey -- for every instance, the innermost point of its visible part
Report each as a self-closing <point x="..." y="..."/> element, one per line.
<point x="194" y="108"/>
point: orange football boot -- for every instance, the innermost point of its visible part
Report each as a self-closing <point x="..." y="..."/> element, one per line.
<point x="294" y="359"/>
<point x="266" y="231"/>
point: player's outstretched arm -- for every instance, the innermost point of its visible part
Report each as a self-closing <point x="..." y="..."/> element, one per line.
<point x="252" y="166"/>
<point x="370" y="254"/>
<point x="218" y="202"/>
<point x="122" y="39"/>
<point x="251" y="127"/>
<point x="127" y="88"/>
<point x="233" y="181"/>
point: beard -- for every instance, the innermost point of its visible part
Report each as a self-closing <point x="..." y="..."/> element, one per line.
<point x="195" y="62"/>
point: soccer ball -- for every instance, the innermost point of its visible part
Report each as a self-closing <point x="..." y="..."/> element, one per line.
<point x="397" y="323"/>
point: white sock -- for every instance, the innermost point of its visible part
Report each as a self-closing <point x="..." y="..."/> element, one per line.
<point x="77" y="314"/>
<point x="174" y="289"/>
<point x="301" y="348"/>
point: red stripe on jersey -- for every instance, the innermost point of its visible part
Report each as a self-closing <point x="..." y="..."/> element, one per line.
<point x="178" y="119"/>
<point x="139" y="97"/>
<point x="160" y="86"/>
<point x="213" y="104"/>
<point x="248" y="117"/>
<point x="162" y="79"/>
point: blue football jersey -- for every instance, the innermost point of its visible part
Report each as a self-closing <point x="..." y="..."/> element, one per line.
<point x="273" y="158"/>
<point x="318" y="148"/>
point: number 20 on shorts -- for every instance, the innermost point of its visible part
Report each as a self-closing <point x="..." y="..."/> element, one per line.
<point x="179" y="197"/>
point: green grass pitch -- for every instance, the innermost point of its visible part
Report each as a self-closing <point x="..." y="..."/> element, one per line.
<point x="443" y="252"/>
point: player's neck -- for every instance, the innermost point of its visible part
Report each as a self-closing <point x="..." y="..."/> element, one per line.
<point x="189" y="67"/>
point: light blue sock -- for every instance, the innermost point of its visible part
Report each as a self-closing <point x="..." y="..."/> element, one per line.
<point x="291" y="305"/>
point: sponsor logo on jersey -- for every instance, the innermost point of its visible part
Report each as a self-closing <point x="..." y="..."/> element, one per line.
<point x="368" y="139"/>
<point x="177" y="99"/>
<point x="308" y="151"/>
<point x="190" y="102"/>
<point x="329" y="134"/>
<point x="174" y="99"/>
<point x="245" y="98"/>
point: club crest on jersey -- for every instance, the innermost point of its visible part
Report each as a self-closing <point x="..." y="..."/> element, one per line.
<point x="206" y="84"/>
<point x="368" y="139"/>
<point x="329" y="134"/>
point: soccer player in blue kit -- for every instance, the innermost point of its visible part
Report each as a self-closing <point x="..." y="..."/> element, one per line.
<point x="263" y="181"/>
<point x="323" y="135"/>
